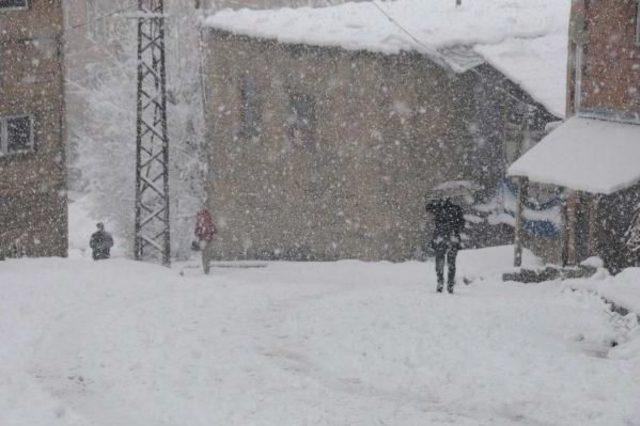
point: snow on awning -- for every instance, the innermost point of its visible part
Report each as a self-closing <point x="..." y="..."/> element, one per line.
<point x="595" y="156"/>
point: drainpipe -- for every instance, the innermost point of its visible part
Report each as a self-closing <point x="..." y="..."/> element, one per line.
<point x="593" y="225"/>
<point x="523" y="188"/>
<point x="199" y="5"/>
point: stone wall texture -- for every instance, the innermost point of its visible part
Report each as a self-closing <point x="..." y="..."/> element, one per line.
<point x="385" y="130"/>
<point x="611" y="66"/>
<point x="33" y="204"/>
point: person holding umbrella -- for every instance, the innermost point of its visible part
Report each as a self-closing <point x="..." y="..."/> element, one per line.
<point x="449" y="223"/>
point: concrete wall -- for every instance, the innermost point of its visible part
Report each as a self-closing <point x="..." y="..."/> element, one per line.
<point x="388" y="128"/>
<point x="33" y="206"/>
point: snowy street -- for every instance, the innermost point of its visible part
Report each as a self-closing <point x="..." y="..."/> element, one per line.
<point x="123" y="343"/>
<point x="323" y="158"/>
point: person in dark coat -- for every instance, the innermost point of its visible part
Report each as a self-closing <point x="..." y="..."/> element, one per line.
<point x="446" y="241"/>
<point x="101" y="243"/>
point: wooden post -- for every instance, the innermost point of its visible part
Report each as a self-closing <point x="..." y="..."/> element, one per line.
<point x="572" y="205"/>
<point x="565" y="233"/>
<point x="523" y="186"/>
<point x="593" y="225"/>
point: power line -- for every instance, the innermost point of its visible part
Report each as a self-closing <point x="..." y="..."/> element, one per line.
<point x="436" y="56"/>
<point x="429" y="49"/>
<point x="101" y="17"/>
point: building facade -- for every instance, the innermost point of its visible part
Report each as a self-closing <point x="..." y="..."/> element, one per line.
<point x="604" y="76"/>
<point x="604" y="60"/>
<point x="320" y="153"/>
<point x="33" y="203"/>
<point x="603" y="106"/>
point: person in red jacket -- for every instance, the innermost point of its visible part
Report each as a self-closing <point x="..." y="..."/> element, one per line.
<point x="205" y="232"/>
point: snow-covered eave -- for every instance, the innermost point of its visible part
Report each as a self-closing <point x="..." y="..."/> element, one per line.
<point x="535" y="64"/>
<point x="586" y="155"/>
<point x="525" y="41"/>
<point x="557" y="110"/>
<point x="432" y="55"/>
<point x="350" y="46"/>
<point x="604" y="190"/>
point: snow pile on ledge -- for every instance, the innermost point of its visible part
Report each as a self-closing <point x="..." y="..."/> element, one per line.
<point x="596" y="156"/>
<point x="492" y="262"/>
<point x="525" y="39"/>
<point x="622" y="289"/>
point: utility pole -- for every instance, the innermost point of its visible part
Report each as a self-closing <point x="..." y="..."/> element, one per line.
<point x="152" y="224"/>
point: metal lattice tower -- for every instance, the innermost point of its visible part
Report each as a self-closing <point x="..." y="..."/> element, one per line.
<point x="152" y="225"/>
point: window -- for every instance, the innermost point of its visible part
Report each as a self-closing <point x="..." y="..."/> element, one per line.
<point x="13" y="4"/>
<point x="250" y="109"/>
<point x="16" y="135"/>
<point x="302" y="119"/>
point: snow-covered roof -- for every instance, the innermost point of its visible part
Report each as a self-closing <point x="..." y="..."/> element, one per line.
<point x="524" y="39"/>
<point x="595" y="156"/>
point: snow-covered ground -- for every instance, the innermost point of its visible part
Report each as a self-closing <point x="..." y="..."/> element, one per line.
<point x="124" y="343"/>
<point x="622" y="289"/>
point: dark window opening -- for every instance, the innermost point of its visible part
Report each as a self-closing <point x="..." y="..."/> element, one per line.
<point x="251" y="118"/>
<point x="16" y="135"/>
<point x="302" y="119"/>
<point x="6" y="4"/>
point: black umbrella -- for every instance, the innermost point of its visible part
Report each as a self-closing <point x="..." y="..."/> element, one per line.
<point x="458" y="191"/>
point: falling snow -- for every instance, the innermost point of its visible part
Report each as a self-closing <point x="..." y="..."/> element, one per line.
<point x="331" y="165"/>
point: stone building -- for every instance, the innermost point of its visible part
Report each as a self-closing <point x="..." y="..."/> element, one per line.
<point x="33" y="204"/>
<point x="592" y="157"/>
<point x="326" y="151"/>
